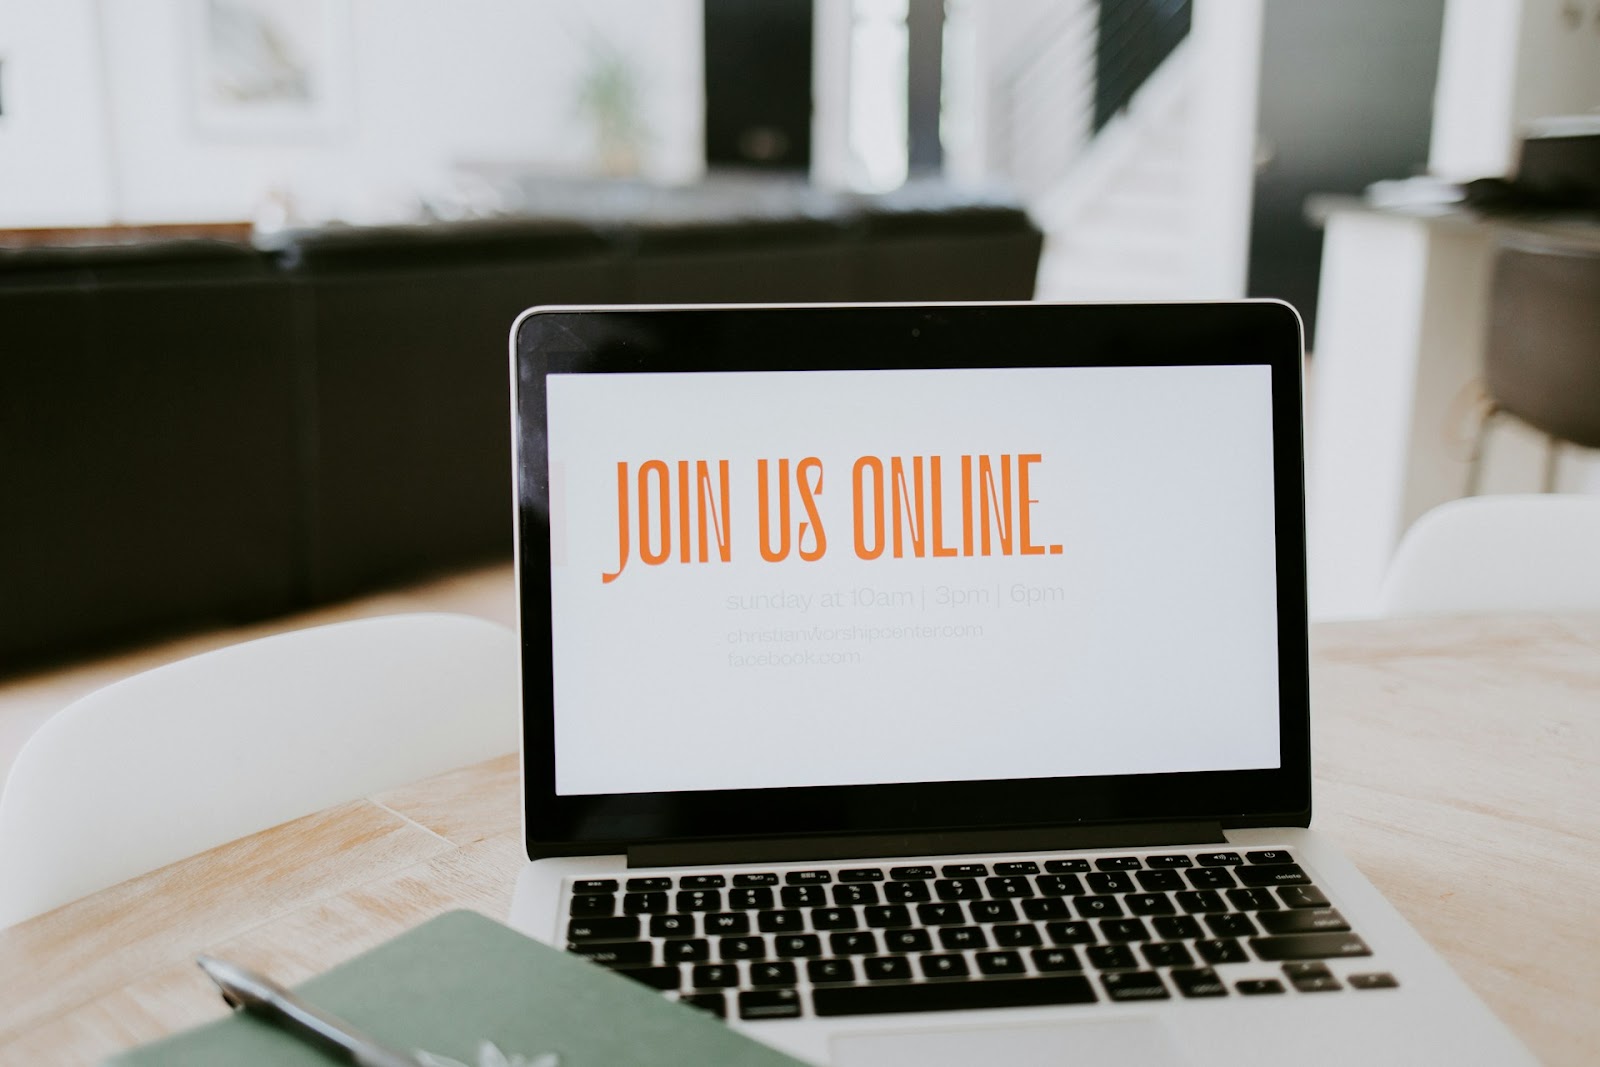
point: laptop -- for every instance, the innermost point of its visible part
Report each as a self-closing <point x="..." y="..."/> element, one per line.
<point x="927" y="684"/>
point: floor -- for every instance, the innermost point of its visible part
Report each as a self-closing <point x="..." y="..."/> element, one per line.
<point x="26" y="700"/>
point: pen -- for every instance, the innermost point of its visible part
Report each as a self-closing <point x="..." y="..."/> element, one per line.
<point x="260" y="995"/>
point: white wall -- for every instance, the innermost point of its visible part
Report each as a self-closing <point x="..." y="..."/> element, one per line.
<point x="433" y="84"/>
<point x="1501" y="63"/>
<point x="53" y="167"/>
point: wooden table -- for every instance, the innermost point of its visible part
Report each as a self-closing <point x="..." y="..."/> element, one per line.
<point x="1458" y="762"/>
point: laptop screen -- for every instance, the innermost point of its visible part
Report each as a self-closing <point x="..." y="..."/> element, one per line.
<point x="861" y="577"/>
<point x="788" y="579"/>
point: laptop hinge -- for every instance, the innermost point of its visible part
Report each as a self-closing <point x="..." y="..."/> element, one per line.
<point x="949" y="843"/>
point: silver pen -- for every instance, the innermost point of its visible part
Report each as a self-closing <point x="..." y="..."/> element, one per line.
<point x="260" y="995"/>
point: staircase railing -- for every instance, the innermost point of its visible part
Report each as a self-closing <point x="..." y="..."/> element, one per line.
<point x="1078" y="64"/>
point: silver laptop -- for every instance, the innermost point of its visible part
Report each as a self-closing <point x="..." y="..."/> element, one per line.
<point x="928" y="685"/>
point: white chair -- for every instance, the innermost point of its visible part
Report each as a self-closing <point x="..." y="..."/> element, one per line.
<point x="1499" y="553"/>
<point x="188" y="756"/>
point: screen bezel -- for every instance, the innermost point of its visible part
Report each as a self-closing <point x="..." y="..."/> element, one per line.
<point x="694" y="339"/>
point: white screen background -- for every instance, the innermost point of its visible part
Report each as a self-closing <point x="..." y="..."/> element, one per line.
<point x="1148" y="645"/>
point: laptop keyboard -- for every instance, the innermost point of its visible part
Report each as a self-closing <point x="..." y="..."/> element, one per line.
<point x="858" y="940"/>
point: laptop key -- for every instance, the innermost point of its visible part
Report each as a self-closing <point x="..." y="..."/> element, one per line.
<point x="1123" y="930"/>
<point x="761" y="878"/>
<point x="906" y="892"/>
<point x="907" y="941"/>
<point x="1056" y="959"/>
<point x="951" y="996"/>
<point x="1111" y="957"/>
<point x="1160" y="881"/>
<point x="728" y="922"/>
<point x="1231" y="924"/>
<point x="1045" y="908"/>
<point x="688" y="950"/>
<point x="1134" y="985"/>
<point x="623" y="928"/>
<point x="1098" y="907"/>
<point x="803" y="896"/>
<point x="1176" y="927"/>
<point x="779" y="922"/>
<point x="644" y="903"/>
<point x="1277" y="874"/>
<point x="1166" y="954"/>
<point x="940" y="914"/>
<point x="886" y="968"/>
<point x="700" y="900"/>
<point x="861" y="874"/>
<point x="1211" y="878"/>
<point x="1149" y="904"/>
<point x="808" y="878"/>
<point x="616" y="953"/>
<point x="1109" y="882"/>
<point x="1303" y="921"/>
<point x="993" y="911"/>
<point x="834" y="919"/>
<point x="1060" y="885"/>
<point x="714" y="976"/>
<point x="1008" y="888"/>
<point x="1004" y="964"/>
<point x="1020" y="935"/>
<point x="593" y="904"/>
<point x="684" y="925"/>
<point x="702" y="881"/>
<point x="1274" y="855"/>
<point x="1255" y="987"/>
<point x="845" y="895"/>
<point x="1253" y="900"/>
<point x="1117" y="863"/>
<point x="1218" y="859"/>
<point x="959" y="937"/>
<point x="655" y="977"/>
<point x="1066" y="866"/>
<point x="773" y="973"/>
<point x="789" y="946"/>
<point x="769" y="1004"/>
<point x="965" y="870"/>
<point x="944" y="965"/>
<point x="595" y="885"/>
<point x="825" y="971"/>
<point x="715" y="1003"/>
<point x="1197" y="982"/>
<point x="911" y="873"/>
<point x="742" y="948"/>
<point x="1374" y="980"/>
<point x="1168" y="861"/>
<point x="887" y="915"/>
<point x="1221" y="950"/>
<point x="750" y="898"/>
<point x="1022" y="867"/>
<point x="957" y="889"/>
<point x="1309" y="946"/>
<point x="648" y="885"/>
<point x="1196" y="901"/>
<point x="859" y="943"/>
<point x="1073" y="933"/>
<point x="1302" y="896"/>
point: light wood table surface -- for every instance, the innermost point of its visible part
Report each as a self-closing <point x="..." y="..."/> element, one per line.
<point x="1457" y="761"/>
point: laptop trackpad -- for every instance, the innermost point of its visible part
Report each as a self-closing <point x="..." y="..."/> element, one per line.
<point x="1140" y="1039"/>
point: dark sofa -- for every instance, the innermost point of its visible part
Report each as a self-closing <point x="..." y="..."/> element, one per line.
<point x="197" y="432"/>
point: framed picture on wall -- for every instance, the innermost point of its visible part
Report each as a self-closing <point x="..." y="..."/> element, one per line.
<point x="271" y="69"/>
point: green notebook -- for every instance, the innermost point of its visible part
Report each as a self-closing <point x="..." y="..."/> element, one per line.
<point x="459" y="980"/>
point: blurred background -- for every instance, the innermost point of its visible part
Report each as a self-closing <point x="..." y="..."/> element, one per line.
<point x="258" y="257"/>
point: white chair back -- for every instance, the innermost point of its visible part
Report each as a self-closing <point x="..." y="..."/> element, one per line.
<point x="191" y="755"/>
<point x="1535" y="552"/>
